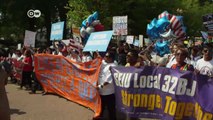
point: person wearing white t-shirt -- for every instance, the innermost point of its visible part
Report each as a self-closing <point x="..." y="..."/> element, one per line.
<point x="106" y="87"/>
<point x="194" y="57"/>
<point x="86" y="57"/>
<point x="205" y="65"/>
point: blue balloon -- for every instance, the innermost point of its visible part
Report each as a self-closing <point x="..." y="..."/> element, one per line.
<point x="162" y="24"/>
<point x="84" y="24"/>
<point x="95" y="15"/>
<point x="162" y="48"/>
<point x="156" y="27"/>
<point x="90" y="19"/>
<point x="184" y="29"/>
<point x="180" y="19"/>
<point x="152" y="29"/>
<point x="154" y="22"/>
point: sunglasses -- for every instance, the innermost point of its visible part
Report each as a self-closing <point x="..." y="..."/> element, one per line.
<point x="179" y="54"/>
<point x="205" y="50"/>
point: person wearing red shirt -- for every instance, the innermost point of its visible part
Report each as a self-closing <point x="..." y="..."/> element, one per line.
<point x="27" y="70"/>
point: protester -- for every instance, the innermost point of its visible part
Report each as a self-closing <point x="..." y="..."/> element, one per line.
<point x="48" y="51"/>
<point x="74" y="56"/>
<point x="86" y="57"/>
<point x="121" y="53"/>
<point x="172" y="59"/>
<point x="205" y="65"/>
<point x="64" y="52"/>
<point x="5" y="69"/>
<point x="106" y="87"/>
<point x="27" y="70"/>
<point x="194" y="57"/>
<point x="180" y="56"/>
<point x="132" y="58"/>
<point x="20" y="54"/>
<point x="36" y="85"/>
<point x="60" y="48"/>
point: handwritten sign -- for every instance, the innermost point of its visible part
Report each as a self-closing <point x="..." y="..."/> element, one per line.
<point x="120" y="25"/>
<point x="29" y="39"/>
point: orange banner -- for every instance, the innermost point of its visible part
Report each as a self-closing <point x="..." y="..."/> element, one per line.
<point x="74" y="81"/>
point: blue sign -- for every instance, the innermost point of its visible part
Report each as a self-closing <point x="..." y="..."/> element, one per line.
<point x="98" y="41"/>
<point x="57" y="31"/>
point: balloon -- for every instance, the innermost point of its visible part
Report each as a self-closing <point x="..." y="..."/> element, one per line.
<point x="166" y="34"/>
<point x="99" y="27"/>
<point x="166" y="26"/>
<point x="157" y="26"/>
<point x="95" y="15"/>
<point x="152" y="29"/>
<point x="175" y="23"/>
<point x="84" y="23"/>
<point x="180" y="32"/>
<point x="90" y="29"/>
<point x="180" y="18"/>
<point x="83" y="32"/>
<point x="181" y="38"/>
<point x="162" y="24"/>
<point x="89" y="25"/>
<point x="165" y="14"/>
<point x="95" y="22"/>
<point x="90" y="20"/>
<point x="162" y="48"/>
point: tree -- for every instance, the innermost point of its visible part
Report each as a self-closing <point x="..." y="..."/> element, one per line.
<point x="193" y="10"/>
<point x="140" y="12"/>
<point x="14" y="20"/>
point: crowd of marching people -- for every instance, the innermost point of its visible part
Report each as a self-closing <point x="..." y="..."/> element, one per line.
<point x="196" y="58"/>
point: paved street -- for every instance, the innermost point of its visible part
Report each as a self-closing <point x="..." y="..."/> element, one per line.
<point x="25" y="106"/>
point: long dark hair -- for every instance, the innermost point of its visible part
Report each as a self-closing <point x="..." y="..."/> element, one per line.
<point x="27" y="53"/>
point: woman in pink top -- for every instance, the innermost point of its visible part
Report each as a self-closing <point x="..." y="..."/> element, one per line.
<point x="27" y="70"/>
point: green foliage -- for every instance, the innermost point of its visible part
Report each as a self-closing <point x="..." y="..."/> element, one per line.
<point x="14" y="21"/>
<point x="140" y="12"/>
<point x="193" y="10"/>
<point x="78" y="10"/>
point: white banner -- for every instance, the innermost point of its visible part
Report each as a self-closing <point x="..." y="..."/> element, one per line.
<point x="29" y="39"/>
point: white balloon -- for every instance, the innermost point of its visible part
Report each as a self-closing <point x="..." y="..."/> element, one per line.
<point x="95" y="22"/>
<point x="83" y="32"/>
<point x="167" y="34"/>
<point x="90" y="29"/>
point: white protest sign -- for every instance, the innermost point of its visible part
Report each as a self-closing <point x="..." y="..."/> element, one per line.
<point x="120" y="25"/>
<point x="130" y="39"/>
<point x="29" y="39"/>
<point x="140" y="40"/>
<point x="66" y="42"/>
<point x="147" y="41"/>
<point x="19" y="46"/>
